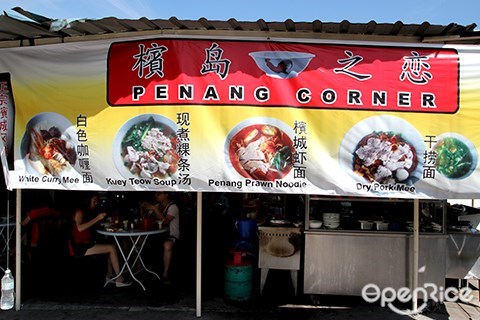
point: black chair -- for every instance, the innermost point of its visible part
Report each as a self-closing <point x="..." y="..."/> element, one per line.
<point x="45" y="254"/>
<point x="49" y="266"/>
<point x="87" y="273"/>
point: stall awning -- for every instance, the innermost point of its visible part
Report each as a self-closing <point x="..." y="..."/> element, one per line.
<point x="244" y="112"/>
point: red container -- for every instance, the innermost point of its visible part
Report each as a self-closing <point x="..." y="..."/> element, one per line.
<point x="238" y="258"/>
<point x="147" y="224"/>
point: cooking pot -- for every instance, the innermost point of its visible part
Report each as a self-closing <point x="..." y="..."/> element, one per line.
<point x="280" y="243"/>
<point x="279" y="222"/>
<point x="246" y="228"/>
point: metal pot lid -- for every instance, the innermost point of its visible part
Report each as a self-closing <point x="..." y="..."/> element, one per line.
<point x="280" y="222"/>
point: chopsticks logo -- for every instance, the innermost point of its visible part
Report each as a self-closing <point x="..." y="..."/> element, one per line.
<point x="429" y="292"/>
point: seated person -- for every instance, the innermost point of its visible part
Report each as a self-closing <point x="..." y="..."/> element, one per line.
<point x="82" y="242"/>
<point x="44" y="210"/>
<point x="166" y="211"/>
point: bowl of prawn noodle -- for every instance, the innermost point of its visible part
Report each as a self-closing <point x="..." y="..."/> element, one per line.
<point x="146" y="146"/>
<point x="49" y="145"/>
<point x="260" y="149"/>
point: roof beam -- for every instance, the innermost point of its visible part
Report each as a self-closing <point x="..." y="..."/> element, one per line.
<point x="452" y="38"/>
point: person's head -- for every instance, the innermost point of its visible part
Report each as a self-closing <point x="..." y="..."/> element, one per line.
<point x="162" y="196"/>
<point x="92" y="201"/>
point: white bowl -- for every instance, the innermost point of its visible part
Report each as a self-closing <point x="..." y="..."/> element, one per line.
<point x="315" y="224"/>
<point x="167" y="126"/>
<point x="281" y="64"/>
<point x="286" y="137"/>
<point x="331" y="217"/>
<point x="332" y="225"/>
<point x="377" y="124"/>
<point x="44" y="121"/>
<point x="106" y="225"/>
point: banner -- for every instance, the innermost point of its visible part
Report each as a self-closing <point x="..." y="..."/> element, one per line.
<point x="294" y="75"/>
<point x="6" y="117"/>
<point x="359" y="119"/>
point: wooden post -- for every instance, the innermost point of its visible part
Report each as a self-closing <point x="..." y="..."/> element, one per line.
<point x="416" y="227"/>
<point x="198" y="307"/>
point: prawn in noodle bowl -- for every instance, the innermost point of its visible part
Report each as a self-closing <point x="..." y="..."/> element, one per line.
<point x="385" y="157"/>
<point x="261" y="152"/>
<point x="149" y="149"/>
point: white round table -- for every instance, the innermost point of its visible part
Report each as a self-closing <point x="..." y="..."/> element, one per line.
<point x="138" y="238"/>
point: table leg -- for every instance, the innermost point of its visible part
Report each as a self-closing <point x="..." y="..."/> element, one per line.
<point x="139" y="258"/>
<point x="263" y="278"/>
<point x="294" y="277"/>
<point x="125" y="259"/>
<point x="12" y="231"/>
<point x="4" y="238"/>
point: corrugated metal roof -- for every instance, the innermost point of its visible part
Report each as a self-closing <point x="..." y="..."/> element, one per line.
<point x="16" y="32"/>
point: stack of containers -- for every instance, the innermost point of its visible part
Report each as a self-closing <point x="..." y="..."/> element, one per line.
<point x="239" y="268"/>
<point x="331" y="220"/>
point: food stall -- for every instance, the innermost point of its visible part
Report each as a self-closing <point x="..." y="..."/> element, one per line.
<point x="463" y="243"/>
<point x="260" y="113"/>
<point x="371" y="241"/>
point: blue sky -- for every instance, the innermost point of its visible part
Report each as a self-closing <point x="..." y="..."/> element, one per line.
<point x="463" y="12"/>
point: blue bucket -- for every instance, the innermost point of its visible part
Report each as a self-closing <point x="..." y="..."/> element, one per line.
<point x="246" y="228"/>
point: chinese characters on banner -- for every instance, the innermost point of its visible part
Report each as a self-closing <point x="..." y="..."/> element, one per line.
<point x="82" y="149"/>
<point x="6" y="117"/>
<point x="4" y="103"/>
<point x="300" y="144"/>
<point x="430" y="158"/>
<point x="183" y="133"/>
<point x="258" y="116"/>
<point x="157" y="72"/>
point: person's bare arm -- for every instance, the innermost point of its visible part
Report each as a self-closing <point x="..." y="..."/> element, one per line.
<point x="81" y="225"/>
<point x="167" y="219"/>
<point x="26" y="220"/>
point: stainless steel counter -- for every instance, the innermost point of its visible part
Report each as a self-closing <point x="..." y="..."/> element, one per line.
<point x="370" y="233"/>
<point x="342" y="263"/>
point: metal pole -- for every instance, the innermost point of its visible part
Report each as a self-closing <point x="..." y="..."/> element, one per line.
<point x="198" y="307"/>
<point x="416" y="227"/>
<point x="18" y="249"/>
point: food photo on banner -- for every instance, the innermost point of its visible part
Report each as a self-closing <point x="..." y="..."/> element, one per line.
<point x="290" y="154"/>
<point x="246" y="116"/>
